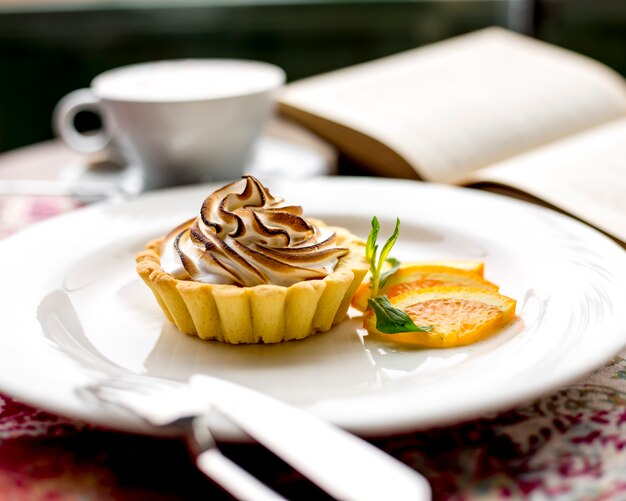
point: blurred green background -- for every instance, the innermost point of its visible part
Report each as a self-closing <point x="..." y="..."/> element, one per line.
<point x="49" y="48"/>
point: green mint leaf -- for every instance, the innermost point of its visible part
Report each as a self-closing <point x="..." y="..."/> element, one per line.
<point x="371" y="249"/>
<point x="370" y="246"/>
<point x="395" y="264"/>
<point x="389" y="244"/>
<point x="392" y="320"/>
<point x="376" y="262"/>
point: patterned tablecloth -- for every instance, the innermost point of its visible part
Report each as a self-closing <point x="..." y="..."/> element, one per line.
<point x="568" y="445"/>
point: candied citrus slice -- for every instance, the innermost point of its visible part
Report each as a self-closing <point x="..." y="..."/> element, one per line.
<point x="459" y="315"/>
<point x="416" y="276"/>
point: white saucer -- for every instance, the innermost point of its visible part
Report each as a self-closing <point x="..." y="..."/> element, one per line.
<point x="273" y="158"/>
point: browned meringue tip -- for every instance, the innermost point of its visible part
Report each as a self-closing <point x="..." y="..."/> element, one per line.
<point x="259" y="314"/>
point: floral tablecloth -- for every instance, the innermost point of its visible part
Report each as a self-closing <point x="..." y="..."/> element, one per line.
<point x="566" y="446"/>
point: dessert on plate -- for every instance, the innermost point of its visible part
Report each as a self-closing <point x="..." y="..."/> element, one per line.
<point x="250" y="268"/>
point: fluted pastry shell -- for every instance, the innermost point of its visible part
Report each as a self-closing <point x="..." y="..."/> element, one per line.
<point x="259" y="314"/>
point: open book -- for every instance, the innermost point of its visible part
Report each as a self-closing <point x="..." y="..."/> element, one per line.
<point x="491" y="109"/>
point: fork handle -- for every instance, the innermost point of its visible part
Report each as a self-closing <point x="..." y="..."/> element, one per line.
<point x="233" y="479"/>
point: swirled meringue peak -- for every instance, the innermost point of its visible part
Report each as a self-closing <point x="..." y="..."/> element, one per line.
<point x="245" y="236"/>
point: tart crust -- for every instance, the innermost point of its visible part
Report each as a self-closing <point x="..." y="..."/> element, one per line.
<point x="259" y="314"/>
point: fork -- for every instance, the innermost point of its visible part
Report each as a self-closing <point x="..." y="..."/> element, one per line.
<point x="149" y="399"/>
<point x="340" y="463"/>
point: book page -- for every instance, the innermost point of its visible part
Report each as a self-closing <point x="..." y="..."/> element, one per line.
<point x="584" y="175"/>
<point x="465" y="103"/>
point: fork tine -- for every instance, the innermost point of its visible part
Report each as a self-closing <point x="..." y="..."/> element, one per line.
<point x="137" y="382"/>
<point x="134" y="386"/>
<point x="113" y="396"/>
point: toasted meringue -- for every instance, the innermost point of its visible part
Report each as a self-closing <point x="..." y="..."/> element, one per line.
<point x="245" y="236"/>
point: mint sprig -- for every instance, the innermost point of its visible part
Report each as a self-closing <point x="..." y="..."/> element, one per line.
<point x="389" y="319"/>
<point x="377" y="262"/>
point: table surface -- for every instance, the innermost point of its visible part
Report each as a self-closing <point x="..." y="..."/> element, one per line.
<point x="567" y="445"/>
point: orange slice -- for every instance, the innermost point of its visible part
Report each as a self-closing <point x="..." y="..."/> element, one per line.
<point x="459" y="315"/>
<point x="415" y="276"/>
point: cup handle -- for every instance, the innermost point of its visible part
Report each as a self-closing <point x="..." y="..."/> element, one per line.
<point x="63" y="122"/>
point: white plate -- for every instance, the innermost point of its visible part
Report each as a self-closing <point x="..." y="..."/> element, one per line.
<point x="74" y="309"/>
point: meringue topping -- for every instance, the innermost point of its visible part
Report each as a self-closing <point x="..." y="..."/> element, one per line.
<point x="245" y="236"/>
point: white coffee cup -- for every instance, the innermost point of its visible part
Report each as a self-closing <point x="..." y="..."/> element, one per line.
<point x="180" y="121"/>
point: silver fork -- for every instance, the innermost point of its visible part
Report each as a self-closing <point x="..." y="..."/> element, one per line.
<point x="162" y="403"/>
<point x="340" y="463"/>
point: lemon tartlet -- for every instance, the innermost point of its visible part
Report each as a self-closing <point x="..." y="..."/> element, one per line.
<point x="251" y="269"/>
